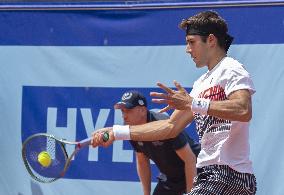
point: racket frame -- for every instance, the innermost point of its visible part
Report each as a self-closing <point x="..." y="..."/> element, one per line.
<point x="62" y="142"/>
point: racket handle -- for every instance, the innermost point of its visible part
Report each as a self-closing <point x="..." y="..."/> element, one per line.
<point x="105" y="136"/>
<point x="85" y="142"/>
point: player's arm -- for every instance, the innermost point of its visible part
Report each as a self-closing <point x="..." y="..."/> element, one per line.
<point x="186" y="154"/>
<point x="162" y="129"/>
<point x="156" y="130"/>
<point x="238" y="107"/>
<point x="144" y="172"/>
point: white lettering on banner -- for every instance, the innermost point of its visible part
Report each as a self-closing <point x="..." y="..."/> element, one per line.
<point x="68" y="132"/>
<point x="89" y="126"/>
<point x="120" y="155"/>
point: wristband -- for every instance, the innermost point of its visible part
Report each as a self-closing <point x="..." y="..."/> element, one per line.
<point x="121" y="132"/>
<point x="200" y="105"/>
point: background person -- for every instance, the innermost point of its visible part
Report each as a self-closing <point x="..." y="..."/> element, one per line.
<point x="175" y="158"/>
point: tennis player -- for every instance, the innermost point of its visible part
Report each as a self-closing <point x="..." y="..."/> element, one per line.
<point x="221" y="105"/>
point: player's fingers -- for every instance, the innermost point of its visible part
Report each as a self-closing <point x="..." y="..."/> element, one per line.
<point x="165" y="109"/>
<point x="179" y="87"/>
<point x="106" y="144"/>
<point x="99" y="138"/>
<point x="160" y="101"/>
<point x="158" y="95"/>
<point x="165" y="88"/>
<point x="94" y="141"/>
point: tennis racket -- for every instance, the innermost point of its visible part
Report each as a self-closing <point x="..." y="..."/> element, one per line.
<point x="58" y="159"/>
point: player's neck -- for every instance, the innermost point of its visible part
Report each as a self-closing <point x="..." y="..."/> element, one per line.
<point x="216" y="58"/>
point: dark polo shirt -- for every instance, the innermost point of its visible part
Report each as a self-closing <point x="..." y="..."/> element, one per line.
<point x="163" y="152"/>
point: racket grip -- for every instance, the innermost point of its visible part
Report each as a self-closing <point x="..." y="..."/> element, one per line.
<point x="105" y="136"/>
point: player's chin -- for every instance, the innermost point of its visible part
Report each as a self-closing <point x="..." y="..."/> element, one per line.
<point x="199" y="65"/>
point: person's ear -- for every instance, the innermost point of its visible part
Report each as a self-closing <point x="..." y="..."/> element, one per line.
<point x="212" y="40"/>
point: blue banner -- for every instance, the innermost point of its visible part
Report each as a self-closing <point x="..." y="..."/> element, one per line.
<point x="74" y="113"/>
<point x="133" y="27"/>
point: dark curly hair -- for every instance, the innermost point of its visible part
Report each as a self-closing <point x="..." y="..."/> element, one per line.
<point x="205" y="23"/>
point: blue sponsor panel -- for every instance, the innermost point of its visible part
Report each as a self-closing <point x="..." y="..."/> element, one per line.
<point x="73" y="113"/>
<point x="141" y="27"/>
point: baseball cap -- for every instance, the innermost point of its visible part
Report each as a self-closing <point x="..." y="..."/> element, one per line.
<point x="131" y="99"/>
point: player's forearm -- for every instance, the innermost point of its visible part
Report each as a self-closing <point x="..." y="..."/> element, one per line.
<point x="158" y="130"/>
<point x="234" y="110"/>
<point x="163" y="129"/>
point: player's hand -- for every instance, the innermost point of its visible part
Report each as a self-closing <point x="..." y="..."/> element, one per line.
<point x="179" y="99"/>
<point x="98" y="137"/>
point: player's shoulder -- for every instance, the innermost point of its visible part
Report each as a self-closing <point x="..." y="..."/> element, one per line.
<point x="232" y="65"/>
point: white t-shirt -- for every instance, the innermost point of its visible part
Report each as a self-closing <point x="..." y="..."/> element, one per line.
<point x="223" y="142"/>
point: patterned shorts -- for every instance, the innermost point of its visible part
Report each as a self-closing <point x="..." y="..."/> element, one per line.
<point x="223" y="180"/>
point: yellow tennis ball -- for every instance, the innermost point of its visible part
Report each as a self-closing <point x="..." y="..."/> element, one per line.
<point x="44" y="159"/>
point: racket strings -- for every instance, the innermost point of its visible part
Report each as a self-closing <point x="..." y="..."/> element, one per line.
<point x="33" y="147"/>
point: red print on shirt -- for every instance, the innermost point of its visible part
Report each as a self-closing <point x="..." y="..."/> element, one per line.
<point x="207" y="123"/>
<point x="213" y="93"/>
